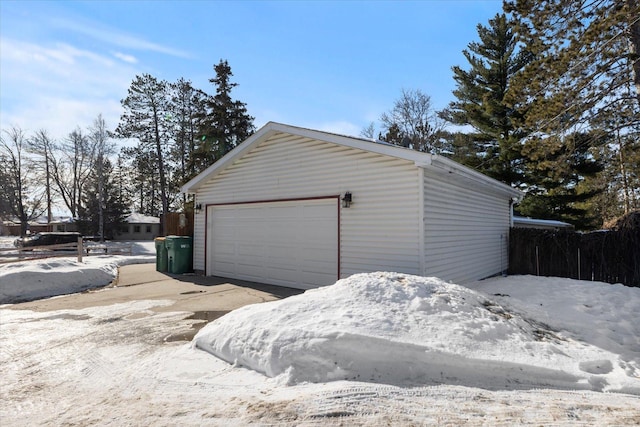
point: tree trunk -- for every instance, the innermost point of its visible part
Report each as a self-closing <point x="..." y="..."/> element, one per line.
<point x="48" y="185"/>
<point x="623" y="173"/>
<point x="163" y="181"/>
<point x="634" y="44"/>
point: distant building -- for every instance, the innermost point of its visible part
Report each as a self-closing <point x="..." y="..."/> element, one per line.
<point x="39" y="225"/>
<point x="139" y="227"/>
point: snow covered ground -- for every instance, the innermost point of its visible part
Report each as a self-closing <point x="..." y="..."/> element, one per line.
<point x="374" y="349"/>
<point x="24" y="281"/>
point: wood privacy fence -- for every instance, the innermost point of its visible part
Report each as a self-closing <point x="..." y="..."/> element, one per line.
<point x="179" y="224"/>
<point x="605" y="256"/>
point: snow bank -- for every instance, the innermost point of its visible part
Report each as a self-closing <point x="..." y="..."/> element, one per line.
<point x="407" y="330"/>
<point x="601" y="314"/>
<point x="29" y="280"/>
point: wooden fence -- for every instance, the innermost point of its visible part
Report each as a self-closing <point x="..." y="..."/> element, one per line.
<point x="78" y="249"/>
<point x="605" y="256"/>
<point x="178" y="224"/>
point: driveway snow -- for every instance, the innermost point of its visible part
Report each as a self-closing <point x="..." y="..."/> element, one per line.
<point x="373" y="349"/>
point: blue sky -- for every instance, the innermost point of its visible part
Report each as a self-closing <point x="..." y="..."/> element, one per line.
<point x="328" y="65"/>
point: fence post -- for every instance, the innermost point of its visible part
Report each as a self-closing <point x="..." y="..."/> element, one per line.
<point x="80" y="249"/>
<point x="579" y="264"/>
<point x="537" y="263"/>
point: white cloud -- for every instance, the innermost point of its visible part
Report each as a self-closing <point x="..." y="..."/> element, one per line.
<point x="58" y="87"/>
<point x="116" y="37"/>
<point x="126" y="58"/>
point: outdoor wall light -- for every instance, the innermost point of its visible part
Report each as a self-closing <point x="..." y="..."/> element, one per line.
<point x="346" y="200"/>
<point x="199" y="208"/>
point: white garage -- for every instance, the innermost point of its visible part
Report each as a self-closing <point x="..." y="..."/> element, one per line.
<point x="292" y="243"/>
<point x="273" y="210"/>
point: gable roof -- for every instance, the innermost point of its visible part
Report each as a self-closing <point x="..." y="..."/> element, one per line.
<point x="424" y="160"/>
<point x="138" y="218"/>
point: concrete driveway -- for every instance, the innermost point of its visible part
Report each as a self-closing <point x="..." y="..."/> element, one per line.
<point x="206" y="297"/>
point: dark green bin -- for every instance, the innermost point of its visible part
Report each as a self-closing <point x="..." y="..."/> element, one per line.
<point x="180" y="254"/>
<point x="162" y="259"/>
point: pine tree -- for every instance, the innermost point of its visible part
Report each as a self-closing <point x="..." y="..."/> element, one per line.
<point x="112" y="209"/>
<point x="147" y="117"/>
<point x="145" y="196"/>
<point x="188" y="109"/>
<point x="480" y="93"/>
<point x="585" y="76"/>
<point x="556" y="182"/>
<point x="226" y="123"/>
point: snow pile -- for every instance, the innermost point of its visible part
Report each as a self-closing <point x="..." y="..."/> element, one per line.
<point x="41" y="278"/>
<point x="406" y="330"/>
<point x="29" y="280"/>
<point x="601" y="314"/>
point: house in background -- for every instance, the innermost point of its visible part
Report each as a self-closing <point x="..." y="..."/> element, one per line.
<point x="40" y="225"/>
<point x="544" y="224"/>
<point x="301" y="208"/>
<point x="139" y="227"/>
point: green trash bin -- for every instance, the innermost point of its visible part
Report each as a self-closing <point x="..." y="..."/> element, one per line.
<point x="162" y="260"/>
<point x="180" y="254"/>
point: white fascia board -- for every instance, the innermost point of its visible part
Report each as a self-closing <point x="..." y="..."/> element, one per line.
<point x="451" y="166"/>
<point x="540" y="222"/>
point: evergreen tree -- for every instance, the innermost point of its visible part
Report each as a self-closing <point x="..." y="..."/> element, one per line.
<point x="586" y="75"/>
<point x="112" y="208"/>
<point x="556" y="181"/>
<point x="144" y="183"/>
<point x="480" y="93"/>
<point x="226" y="123"/>
<point x="147" y="117"/>
<point x="188" y="110"/>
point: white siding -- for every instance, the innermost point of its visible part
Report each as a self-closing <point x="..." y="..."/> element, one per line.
<point x="466" y="229"/>
<point x="379" y="232"/>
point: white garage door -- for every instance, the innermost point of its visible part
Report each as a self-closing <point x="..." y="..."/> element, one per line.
<point x="292" y="243"/>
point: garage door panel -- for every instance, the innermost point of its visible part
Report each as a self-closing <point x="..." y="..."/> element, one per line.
<point x="288" y="243"/>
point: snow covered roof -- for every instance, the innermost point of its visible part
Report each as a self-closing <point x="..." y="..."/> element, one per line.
<point x="420" y="159"/>
<point x="42" y="220"/>
<point x="519" y="221"/>
<point x="138" y="218"/>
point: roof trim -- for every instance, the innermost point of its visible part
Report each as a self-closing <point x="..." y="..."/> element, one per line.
<point x="541" y="222"/>
<point x="423" y="160"/>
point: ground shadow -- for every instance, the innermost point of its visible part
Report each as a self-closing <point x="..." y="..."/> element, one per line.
<point x="196" y="279"/>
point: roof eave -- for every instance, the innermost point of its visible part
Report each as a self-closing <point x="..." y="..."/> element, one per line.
<point x="420" y="159"/>
<point x="449" y="165"/>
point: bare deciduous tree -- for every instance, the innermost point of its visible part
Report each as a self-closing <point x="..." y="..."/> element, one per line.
<point x="413" y="122"/>
<point x="22" y="197"/>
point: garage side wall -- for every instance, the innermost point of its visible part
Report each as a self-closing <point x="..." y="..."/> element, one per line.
<point x="380" y="231"/>
<point x="466" y="229"/>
